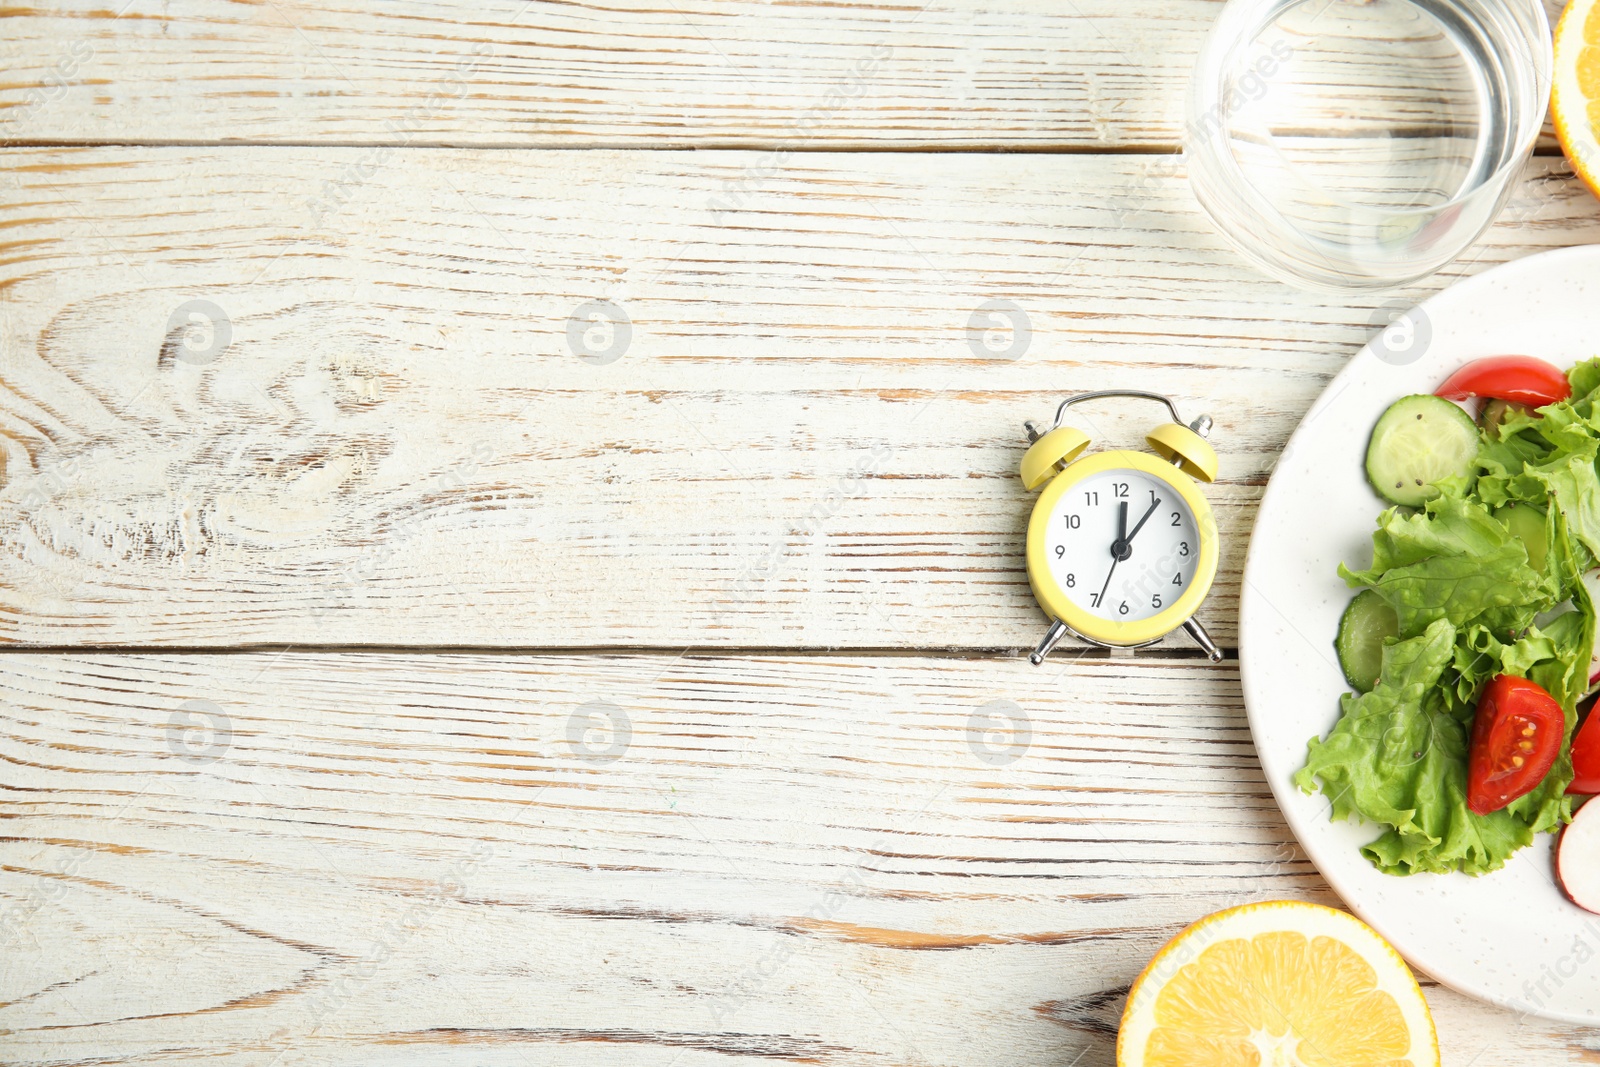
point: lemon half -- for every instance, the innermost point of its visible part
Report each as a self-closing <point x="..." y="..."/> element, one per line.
<point x="1280" y="984"/>
<point x="1575" y="93"/>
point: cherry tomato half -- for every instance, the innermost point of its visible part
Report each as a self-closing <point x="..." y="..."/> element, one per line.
<point x="1516" y="736"/>
<point x="1586" y="757"/>
<point x="1520" y="379"/>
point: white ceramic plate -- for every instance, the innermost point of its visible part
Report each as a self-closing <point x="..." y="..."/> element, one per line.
<point x="1511" y="937"/>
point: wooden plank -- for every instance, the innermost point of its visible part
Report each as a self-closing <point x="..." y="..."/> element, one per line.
<point x="411" y="425"/>
<point x="1013" y="73"/>
<point x="347" y="857"/>
<point x="633" y="74"/>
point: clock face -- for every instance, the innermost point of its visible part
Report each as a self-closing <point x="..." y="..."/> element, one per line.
<point x="1122" y="573"/>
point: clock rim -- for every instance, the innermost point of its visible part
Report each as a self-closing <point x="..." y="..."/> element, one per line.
<point x="1054" y="600"/>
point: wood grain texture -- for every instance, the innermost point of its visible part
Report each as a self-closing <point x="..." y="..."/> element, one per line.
<point x="371" y="857"/>
<point x="397" y="432"/>
<point x="1016" y="74"/>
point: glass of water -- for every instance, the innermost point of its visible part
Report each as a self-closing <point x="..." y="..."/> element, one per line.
<point x="1363" y="144"/>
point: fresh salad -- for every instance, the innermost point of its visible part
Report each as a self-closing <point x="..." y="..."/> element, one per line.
<point x="1470" y="645"/>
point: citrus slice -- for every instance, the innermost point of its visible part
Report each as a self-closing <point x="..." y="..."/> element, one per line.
<point x="1575" y="93"/>
<point x="1280" y="984"/>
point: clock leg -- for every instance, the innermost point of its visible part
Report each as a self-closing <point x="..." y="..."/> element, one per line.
<point x="1203" y="639"/>
<point x="1052" y="637"/>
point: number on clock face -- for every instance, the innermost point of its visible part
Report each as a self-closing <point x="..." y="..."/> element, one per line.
<point x="1161" y="557"/>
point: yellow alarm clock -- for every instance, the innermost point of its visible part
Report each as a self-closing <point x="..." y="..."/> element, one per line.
<point x="1122" y="546"/>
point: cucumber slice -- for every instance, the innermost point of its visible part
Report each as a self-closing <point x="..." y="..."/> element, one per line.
<point x="1528" y="523"/>
<point x="1365" y="623"/>
<point x="1420" y="440"/>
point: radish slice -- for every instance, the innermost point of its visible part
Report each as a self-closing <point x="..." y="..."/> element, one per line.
<point x="1578" y="858"/>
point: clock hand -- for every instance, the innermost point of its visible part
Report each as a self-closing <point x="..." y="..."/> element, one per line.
<point x="1101" y="599"/>
<point x="1128" y="540"/>
<point x="1119" y="550"/>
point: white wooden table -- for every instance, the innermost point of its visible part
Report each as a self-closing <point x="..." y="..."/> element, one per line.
<point x="510" y="543"/>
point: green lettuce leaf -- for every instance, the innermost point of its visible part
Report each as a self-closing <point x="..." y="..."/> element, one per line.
<point x="1585" y="378"/>
<point x="1454" y="561"/>
<point x="1572" y="482"/>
